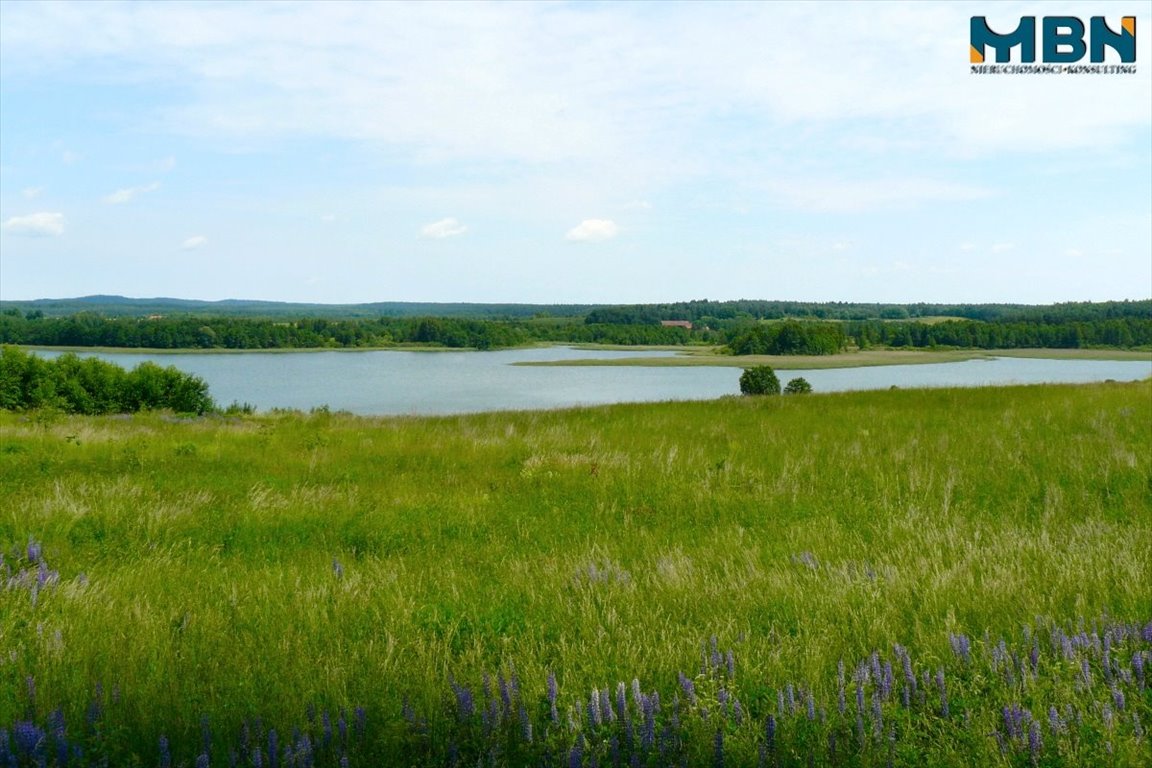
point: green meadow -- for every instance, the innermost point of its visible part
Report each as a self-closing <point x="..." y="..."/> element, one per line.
<point x="912" y="577"/>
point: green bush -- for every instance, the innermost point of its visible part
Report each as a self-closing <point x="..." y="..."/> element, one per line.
<point x="798" y="386"/>
<point x="760" y="380"/>
<point x="91" y="386"/>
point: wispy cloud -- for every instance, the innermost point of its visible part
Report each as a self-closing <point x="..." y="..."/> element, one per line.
<point x="44" y="224"/>
<point x="191" y="243"/>
<point x="852" y="195"/>
<point x="438" y="230"/>
<point x="128" y="194"/>
<point x="31" y="193"/>
<point x="593" y="230"/>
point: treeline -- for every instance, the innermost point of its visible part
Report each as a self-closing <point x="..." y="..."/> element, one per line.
<point x="790" y="338"/>
<point x="719" y="313"/>
<point x="1123" y="333"/>
<point x="90" y="386"/>
<point x="1113" y="324"/>
<point x="92" y="330"/>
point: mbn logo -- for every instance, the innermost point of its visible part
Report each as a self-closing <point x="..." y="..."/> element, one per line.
<point x="1061" y="40"/>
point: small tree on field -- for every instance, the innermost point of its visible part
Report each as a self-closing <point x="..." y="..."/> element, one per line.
<point x="760" y="380"/>
<point x="797" y="386"/>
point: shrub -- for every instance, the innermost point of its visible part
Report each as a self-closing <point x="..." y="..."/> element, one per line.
<point x="760" y="380"/>
<point x="798" y="386"/>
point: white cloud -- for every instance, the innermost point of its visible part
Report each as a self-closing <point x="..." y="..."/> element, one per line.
<point x="36" y="225"/>
<point x="31" y="192"/>
<point x="128" y="194"/>
<point x="444" y="228"/>
<point x="196" y="241"/>
<point x="593" y="230"/>
<point x="166" y="165"/>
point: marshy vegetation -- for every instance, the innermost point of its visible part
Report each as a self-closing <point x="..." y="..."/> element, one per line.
<point x="936" y="577"/>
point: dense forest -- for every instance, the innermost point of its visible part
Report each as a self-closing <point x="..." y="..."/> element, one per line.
<point x="744" y="327"/>
<point x="73" y="384"/>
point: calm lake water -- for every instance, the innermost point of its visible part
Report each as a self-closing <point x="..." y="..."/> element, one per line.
<point x="394" y="382"/>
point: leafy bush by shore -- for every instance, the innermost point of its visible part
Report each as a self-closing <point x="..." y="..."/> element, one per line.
<point x="90" y="386"/>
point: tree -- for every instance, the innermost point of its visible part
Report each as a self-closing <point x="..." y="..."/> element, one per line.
<point x="759" y="380"/>
<point x="797" y="386"/>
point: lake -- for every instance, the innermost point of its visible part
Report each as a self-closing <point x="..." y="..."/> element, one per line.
<point x="406" y="382"/>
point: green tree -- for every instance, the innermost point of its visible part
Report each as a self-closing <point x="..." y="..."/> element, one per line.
<point x="759" y="380"/>
<point x="798" y="386"/>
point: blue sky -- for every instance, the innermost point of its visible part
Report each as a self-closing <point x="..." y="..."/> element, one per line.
<point x="549" y="153"/>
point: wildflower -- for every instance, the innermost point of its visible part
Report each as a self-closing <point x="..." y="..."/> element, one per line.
<point x="165" y="753"/>
<point x="552" y="696"/>
<point x="35" y="551"/>
<point x="576" y="754"/>
<point x="718" y="749"/>
<point x="594" y="708"/>
<point x="622" y="699"/>
<point x="202" y="761"/>
<point x="943" y="692"/>
<point x="1055" y="724"/>
<point x="1034" y="744"/>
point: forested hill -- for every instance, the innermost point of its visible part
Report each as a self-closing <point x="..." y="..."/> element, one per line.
<point x="122" y="306"/>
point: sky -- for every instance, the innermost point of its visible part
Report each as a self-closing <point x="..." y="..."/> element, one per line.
<point x="563" y="153"/>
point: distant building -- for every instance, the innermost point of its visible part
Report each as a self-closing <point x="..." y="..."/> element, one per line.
<point x="677" y="324"/>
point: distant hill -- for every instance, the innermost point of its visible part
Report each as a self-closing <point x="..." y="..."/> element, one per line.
<point x="122" y="306"/>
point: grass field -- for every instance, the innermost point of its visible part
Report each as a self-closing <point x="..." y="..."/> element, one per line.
<point x="932" y="577"/>
<point x="693" y="356"/>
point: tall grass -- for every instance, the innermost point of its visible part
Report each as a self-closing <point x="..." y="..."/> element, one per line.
<point x="195" y="575"/>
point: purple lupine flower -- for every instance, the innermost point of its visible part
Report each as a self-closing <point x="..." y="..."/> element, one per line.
<point x="273" y="748"/>
<point x="165" y="753"/>
<point x="718" y="749"/>
<point x="1086" y="673"/>
<point x="716" y="659"/>
<point x="737" y="711"/>
<point x="594" y="709"/>
<point x="1107" y="716"/>
<point x="342" y="728"/>
<point x="1138" y="667"/>
<point x="780" y="703"/>
<point x="361" y="721"/>
<point x="961" y="646"/>
<point x="1055" y="724"/>
<point x="875" y="669"/>
<point x="505" y="692"/>
<point x="1118" y="699"/>
<point x="465" y="705"/>
<point x="1146" y="633"/>
<point x="606" y="706"/>
<point x="637" y="696"/>
<point x="886" y="680"/>
<point x="1034" y="743"/>
<point x="648" y="733"/>
<point x="877" y="718"/>
<point x="202" y="761"/>
<point x="29" y="739"/>
<point x="943" y="692"/>
<point x="552" y="697"/>
<point x="1137" y="728"/>
<point x="576" y="754"/>
<point x="811" y="705"/>
<point x="731" y="662"/>
<point x="326" y="727"/>
<point x="840" y="701"/>
<point x="790" y="697"/>
<point x="344" y="763"/>
<point x="859" y="694"/>
<point x="1034" y="656"/>
<point x="525" y="725"/>
<point x="35" y="551"/>
<point x="257" y="757"/>
<point x="622" y="701"/>
<point x="770" y="733"/>
<point x="722" y="699"/>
